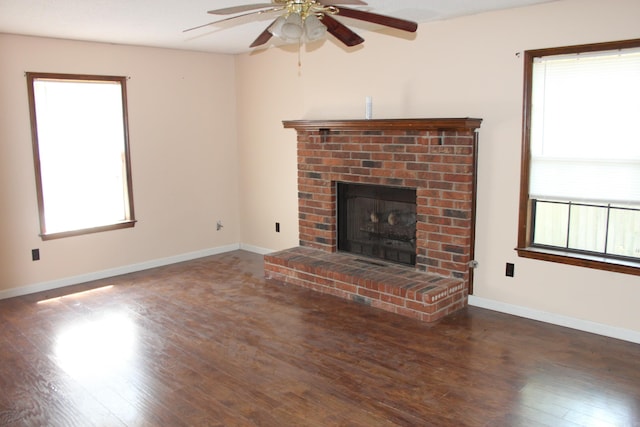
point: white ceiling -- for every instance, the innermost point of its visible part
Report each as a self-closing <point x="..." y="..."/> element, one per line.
<point x="160" y="23"/>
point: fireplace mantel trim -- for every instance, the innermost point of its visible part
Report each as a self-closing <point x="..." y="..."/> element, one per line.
<point x="466" y="123"/>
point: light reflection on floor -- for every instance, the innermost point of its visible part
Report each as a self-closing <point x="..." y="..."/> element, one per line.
<point x="557" y="395"/>
<point x="75" y="294"/>
<point x="97" y="348"/>
<point x="101" y="354"/>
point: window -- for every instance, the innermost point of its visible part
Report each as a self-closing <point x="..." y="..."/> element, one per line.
<point x="81" y="153"/>
<point x="580" y="185"/>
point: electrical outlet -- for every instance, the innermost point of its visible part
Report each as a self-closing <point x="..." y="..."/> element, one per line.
<point x="277" y="227"/>
<point x="509" y="271"/>
<point x="35" y="254"/>
<point x="219" y="225"/>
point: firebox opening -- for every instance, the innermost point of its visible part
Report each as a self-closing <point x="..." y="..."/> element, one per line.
<point x="377" y="221"/>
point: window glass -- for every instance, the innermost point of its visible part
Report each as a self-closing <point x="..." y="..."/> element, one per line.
<point x="624" y="233"/>
<point x="552" y="220"/>
<point x="588" y="228"/>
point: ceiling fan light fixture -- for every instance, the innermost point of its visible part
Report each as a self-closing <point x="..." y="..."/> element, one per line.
<point x="276" y="27"/>
<point x="292" y="27"/>
<point x="310" y="20"/>
<point x="313" y="28"/>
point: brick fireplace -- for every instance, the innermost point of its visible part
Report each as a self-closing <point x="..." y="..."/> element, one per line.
<point x="434" y="157"/>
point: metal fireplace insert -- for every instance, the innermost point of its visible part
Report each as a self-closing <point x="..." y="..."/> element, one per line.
<point x="377" y="221"/>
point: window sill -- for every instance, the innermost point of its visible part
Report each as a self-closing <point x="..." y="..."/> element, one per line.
<point x="71" y="233"/>
<point x="581" y="260"/>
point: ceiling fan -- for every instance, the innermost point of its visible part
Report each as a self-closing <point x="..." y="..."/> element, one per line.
<point x="309" y="20"/>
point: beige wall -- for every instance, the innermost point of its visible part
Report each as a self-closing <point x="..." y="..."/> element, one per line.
<point x="461" y="67"/>
<point x="183" y="150"/>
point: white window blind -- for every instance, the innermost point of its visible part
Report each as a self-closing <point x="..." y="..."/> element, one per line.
<point x="585" y="140"/>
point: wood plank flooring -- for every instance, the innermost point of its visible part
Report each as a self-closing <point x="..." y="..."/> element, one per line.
<point x="210" y="342"/>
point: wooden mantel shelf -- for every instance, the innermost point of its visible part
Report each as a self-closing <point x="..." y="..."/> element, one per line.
<point x="385" y="124"/>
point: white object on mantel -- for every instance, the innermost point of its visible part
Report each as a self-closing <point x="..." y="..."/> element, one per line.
<point x="368" y="111"/>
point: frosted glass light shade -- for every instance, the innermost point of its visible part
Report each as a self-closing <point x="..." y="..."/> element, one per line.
<point x="276" y="27"/>
<point x="292" y="27"/>
<point x="313" y="28"/>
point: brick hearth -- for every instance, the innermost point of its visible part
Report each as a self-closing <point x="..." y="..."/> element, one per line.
<point x="434" y="156"/>
<point x="394" y="288"/>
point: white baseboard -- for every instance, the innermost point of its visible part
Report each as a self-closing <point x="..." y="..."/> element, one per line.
<point x="255" y="249"/>
<point x="557" y="319"/>
<point x="83" y="278"/>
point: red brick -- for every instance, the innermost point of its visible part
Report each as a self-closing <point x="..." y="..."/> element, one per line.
<point x="360" y="171"/>
<point x="369" y="293"/>
<point x="404" y="157"/>
<point x="382" y="156"/>
<point x="391" y="148"/>
<point x="392" y="299"/>
<point x="422" y="307"/>
<point x="455" y="195"/>
<point x="361" y="156"/>
<point x="384" y="306"/>
<point x="347" y="287"/>
<point x="409" y="313"/>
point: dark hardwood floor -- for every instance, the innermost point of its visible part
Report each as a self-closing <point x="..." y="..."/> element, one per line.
<point x="211" y="343"/>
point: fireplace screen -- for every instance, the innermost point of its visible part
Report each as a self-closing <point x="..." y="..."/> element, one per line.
<point x="377" y="221"/>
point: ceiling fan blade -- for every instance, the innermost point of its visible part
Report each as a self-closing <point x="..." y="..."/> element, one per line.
<point x="358" y="2"/>
<point x="341" y="31"/>
<point x="385" y="20"/>
<point x="257" y="12"/>
<point x="237" y="9"/>
<point x="199" y="26"/>
<point x="264" y="37"/>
